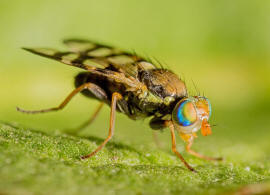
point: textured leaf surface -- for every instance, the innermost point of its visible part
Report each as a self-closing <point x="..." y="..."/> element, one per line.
<point x="35" y="162"/>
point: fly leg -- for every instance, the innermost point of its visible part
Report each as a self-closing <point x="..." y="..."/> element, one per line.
<point x="192" y="152"/>
<point x="115" y="97"/>
<point x="157" y="124"/>
<point x="156" y="140"/>
<point x="86" y="123"/>
<point x="170" y="125"/>
<point x="89" y="86"/>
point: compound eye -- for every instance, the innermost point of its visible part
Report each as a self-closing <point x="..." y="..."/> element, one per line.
<point x="185" y="113"/>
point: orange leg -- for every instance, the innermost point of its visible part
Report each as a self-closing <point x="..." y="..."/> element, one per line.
<point x="64" y="103"/>
<point x="170" y="125"/>
<point x="87" y="123"/>
<point x="116" y="96"/>
<point x="156" y="140"/>
<point x="192" y="152"/>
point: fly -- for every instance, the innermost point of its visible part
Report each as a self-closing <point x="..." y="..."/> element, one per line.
<point x="134" y="86"/>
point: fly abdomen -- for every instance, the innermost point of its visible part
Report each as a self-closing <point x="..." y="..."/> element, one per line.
<point x="98" y="92"/>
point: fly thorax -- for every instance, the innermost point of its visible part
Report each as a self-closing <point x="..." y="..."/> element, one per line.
<point x="163" y="83"/>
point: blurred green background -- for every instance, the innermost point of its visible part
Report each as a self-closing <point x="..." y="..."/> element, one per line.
<point x="223" y="46"/>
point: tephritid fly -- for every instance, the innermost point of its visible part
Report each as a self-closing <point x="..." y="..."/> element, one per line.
<point x="134" y="86"/>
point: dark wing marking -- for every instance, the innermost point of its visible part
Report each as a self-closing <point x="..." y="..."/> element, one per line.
<point x="64" y="57"/>
<point x="96" y="65"/>
<point x="90" y="55"/>
<point x="109" y="57"/>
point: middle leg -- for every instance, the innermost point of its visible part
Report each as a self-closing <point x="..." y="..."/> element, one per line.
<point x="115" y="97"/>
<point x="86" y="123"/>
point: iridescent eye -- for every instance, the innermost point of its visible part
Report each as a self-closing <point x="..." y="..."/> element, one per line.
<point x="185" y="113"/>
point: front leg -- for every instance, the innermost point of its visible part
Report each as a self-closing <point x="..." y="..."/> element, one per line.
<point x="192" y="152"/>
<point x="170" y="125"/>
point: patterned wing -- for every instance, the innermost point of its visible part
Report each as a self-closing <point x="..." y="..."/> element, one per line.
<point x="90" y="55"/>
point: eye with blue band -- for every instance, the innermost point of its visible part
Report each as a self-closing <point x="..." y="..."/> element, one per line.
<point x="186" y="113"/>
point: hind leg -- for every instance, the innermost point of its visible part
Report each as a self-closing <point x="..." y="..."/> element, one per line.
<point x="96" y="90"/>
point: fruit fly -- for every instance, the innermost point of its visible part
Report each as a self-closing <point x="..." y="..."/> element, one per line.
<point x="135" y="86"/>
